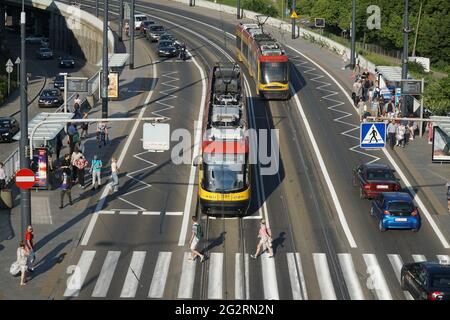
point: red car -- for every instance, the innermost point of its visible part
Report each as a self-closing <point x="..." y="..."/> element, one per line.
<point x="373" y="179"/>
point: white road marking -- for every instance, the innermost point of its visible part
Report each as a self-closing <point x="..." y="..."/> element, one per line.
<point x="215" y="279"/>
<point x="350" y="276"/>
<point x="294" y="276"/>
<point x="324" y="277"/>
<point x="76" y="280"/>
<point x="187" y="278"/>
<point x="151" y="213"/>
<point x="376" y="279"/>
<point x="160" y="275"/>
<point x="419" y="257"/>
<point x="124" y="151"/>
<point x="107" y="212"/>
<point x="133" y="275"/>
<point x="173" y="213"/>
<point x="397" y="264"/>
<point x="128" y="212"/>
<point x="247" y="276"/>
<point x="106" y="274"/>
<point x="239" y="277"/>
<point x="443" y="258"/>
<point x="423" y="209"/>
<point x="269" y="277"/>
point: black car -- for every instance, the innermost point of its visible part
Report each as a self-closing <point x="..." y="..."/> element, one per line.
<point x="167" y="48"/>
<point x="8" y="128"/>
<point x="66" y="62"/>
<point x="427" y="280"/>
<point x="44" y="53"/>
<point x="167" y="36"/>
<point x="373" y="178"/>
<point x="145" y="25"/>
<point x="50" y="98"/>
<point x="58" y="83"/>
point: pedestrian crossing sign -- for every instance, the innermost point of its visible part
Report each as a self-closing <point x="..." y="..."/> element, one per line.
<point x="373" y="135"/>
<point x="294" y="15"/>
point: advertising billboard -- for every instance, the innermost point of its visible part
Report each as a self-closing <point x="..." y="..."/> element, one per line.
<point x="39" y="165"/>
<point x="441" y="146"/>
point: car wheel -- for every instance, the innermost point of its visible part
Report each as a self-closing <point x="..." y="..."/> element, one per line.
<point x="381" y="227"/>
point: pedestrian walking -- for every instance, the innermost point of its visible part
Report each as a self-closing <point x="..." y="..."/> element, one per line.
<point x="66" y="165"/>
<point x="361" y="108"/>
<point x="77" y="100"/>
<point x="407" y="134"/>
<point x="195" y="238"/>
<point x="448" y="195"/>
<point x="66" y="186"/>
<point x="96" y="169"/>
<point x="84" y="126"/>
<point x="114" y="174"/>
<point x="29" y="247"/>
<point x="80" y="163"/>
<point x="400" y="135"/>
<point x="73" y="136"/>
<point x="356" y="92"/>
<point x="430" y="132"/>
<point x="2" y="176"/>
<point x="265" y="239"/>
<point x="391" y="129"/>
<point x="22" y="257"/>
<point x="102" y="134"/>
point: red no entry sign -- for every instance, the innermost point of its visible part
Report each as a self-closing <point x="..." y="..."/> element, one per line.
<point x="25" y="178"/>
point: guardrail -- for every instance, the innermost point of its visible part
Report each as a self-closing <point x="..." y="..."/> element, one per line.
<point x="12" y="163"/>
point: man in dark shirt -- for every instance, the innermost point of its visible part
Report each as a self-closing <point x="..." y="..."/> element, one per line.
<point x="65" y="189"/>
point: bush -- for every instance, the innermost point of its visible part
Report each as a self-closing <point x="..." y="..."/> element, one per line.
<point x="261" y="6"/>
<point x="437" y="95"/>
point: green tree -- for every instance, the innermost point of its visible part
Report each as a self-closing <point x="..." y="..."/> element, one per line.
<point x="262" y="6"/>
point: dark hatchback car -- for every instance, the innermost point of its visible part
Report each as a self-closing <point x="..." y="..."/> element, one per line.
<point x="395" y="210"/>
<point x="66" y="62"/>
<point x="44" y="53"/>
<point x="373" y="179"/>
<point x="8" y="128"/>
<point x="167" y="48"/>
<point x="50" y="98"/>
<point x="427" y="280"/>
<point x="145" y="25"/>
<point x="58" y="83"/>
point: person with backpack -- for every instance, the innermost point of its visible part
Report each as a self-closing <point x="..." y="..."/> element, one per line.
<point x="197" y="234"/>
<point x="265" y="239"/>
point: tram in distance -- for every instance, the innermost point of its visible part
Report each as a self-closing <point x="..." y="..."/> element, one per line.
<point x="224" y="170"/>
<point x="266" y="61"/>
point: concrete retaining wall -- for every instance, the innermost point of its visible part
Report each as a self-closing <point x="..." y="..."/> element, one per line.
<point x="330" y="44"/>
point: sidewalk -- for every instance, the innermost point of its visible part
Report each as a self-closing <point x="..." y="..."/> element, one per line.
<point x="57" y="231"/>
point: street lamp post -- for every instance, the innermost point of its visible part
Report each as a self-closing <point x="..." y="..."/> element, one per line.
<point x="353" y="44"/>
<point x="25" y="196"/>
<point x="293" y="19"/>
<point x="132" y="29"/>
<point x="405" y="52"/>
<point x="120" y="20"/>
<point x="105" y="69"/>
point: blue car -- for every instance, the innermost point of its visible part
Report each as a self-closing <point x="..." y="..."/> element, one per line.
<point x="395" y="210"/>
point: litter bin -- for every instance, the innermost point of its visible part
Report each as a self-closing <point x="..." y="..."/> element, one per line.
<point x="6" y="201"/>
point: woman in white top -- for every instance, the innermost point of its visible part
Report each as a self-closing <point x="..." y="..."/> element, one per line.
<point x="265" y="239"/>
<point x="22" y="256"/>
<point x="401" y="135"/>
<point x="114" y="174"/>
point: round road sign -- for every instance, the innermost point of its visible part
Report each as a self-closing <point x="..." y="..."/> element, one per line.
<point x="25" y="178"/>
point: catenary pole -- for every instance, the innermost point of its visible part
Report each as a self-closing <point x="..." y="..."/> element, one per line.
<point x="353" y="42"/>
<point x="105" y="69"/>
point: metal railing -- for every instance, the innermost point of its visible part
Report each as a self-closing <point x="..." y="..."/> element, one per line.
<point x="12" y="163"/>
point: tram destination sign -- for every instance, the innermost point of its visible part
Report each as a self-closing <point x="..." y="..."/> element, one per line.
<point x="412" y="87"/>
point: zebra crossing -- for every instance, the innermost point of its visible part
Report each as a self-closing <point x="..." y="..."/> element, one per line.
<point x="376" y="282"/>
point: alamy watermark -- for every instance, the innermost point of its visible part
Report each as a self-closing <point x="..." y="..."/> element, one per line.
<point x="374" y="20"/>
<point x="74" y="18"/>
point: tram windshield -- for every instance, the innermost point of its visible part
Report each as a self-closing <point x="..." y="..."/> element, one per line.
<point x="224" y="172"/>
<point x="274" y="72"/>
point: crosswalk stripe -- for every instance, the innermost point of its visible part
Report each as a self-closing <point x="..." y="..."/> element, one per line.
<point x="133" y="275"/>
<point x="295" y="270"/>
<point x="239" y="279"/>
<point x="186" y="286"/>
<point x="128" y="212"/>
<point x="376" y="279"/>
<point x="302" y="276"/>
<point x="106" y="212"/>
<point x="247" y="277"/>
<point x="160" y="275"/>
<point x="80" y="271"/>
<point x="215" y="279"/>
<point x="419" y="257"/>
<point x="397" y="264"/>
<point x="324" y="277"/>
<point x="269" y="277"/>
<point x="350" y="276"/>
<point x="442" y="257"/>
<point x="106" y="274"/>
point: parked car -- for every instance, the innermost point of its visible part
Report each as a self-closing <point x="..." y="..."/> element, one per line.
<point x="58" y="83"/>
<point x="145" y="24"/>
<point x="44" y="53"/>
<point x="154" y="32"/>
<point x="45" y="42"/>
<point x="34" y="39"/>
<point x="8" y="128"/>
<point x="427" y="280"/>
<point x="395" y="210"/>
<point x="50" y="98"/>
<point x="372" y="179"/>
<point x="66" y="62"/>
<point x="138" y="18"/>
<point x="166" y="48"/>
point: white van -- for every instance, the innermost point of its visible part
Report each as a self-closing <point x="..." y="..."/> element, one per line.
<point x="138" y="18"/>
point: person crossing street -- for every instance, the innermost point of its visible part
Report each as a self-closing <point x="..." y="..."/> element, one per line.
<point x="195" y="238"/>
<point x="265" y="240"/>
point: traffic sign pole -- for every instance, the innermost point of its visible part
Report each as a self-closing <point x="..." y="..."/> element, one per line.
<point x="293" y="19"/>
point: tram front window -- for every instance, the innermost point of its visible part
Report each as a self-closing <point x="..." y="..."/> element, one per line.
<point x="274" y="72"/>
<point x="224" y="174"/>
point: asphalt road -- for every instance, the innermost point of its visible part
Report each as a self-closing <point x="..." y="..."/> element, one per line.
<point x="137" y="248"/>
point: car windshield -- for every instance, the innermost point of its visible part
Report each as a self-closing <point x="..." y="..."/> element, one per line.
<point x="274" y="72"/>
<point x="4" y="124"/>
<point x="45" y="50"/>
<point x="380" y="175"/>
<point x="440" y="281"/>
<point x="157" y="28"/>
<point x="224" y="172"/>
<point x="400" y="207"/>
<point x="49" y="93"/>
<point x="165" y="43"/>
<point x="59" y="78"/>
<point x="141" y="18"/>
